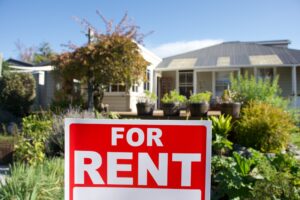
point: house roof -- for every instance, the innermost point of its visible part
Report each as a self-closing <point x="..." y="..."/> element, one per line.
<point x="232" y="54"/>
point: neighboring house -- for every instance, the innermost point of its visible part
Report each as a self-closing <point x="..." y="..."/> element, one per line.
<point x="117" y="97"/>
<point x="209" y="69"/>
<point x="44" y="77"/>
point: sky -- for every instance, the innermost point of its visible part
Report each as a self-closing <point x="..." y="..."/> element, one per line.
<point x="178" y="25"/>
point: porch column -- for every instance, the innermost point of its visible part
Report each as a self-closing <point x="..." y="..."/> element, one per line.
<point x="294" y="81"/>
<point x="177" y="80"/>
<point x="214" y="84"/>
<point x="195" y="82"/>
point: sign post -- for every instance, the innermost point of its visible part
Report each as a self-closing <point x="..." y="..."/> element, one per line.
<point x="137" y="159"/>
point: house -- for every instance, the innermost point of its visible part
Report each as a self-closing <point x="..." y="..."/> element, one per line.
<point x="120" y="100"/>
<point x="46" y="84"/>
<point x="117" y="97"/>
<point x="209" y="69"/>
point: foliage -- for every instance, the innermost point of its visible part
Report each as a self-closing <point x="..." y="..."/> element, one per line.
<point x="283" y="182"/>
<point x="264" y="127"/>
<point x="255" y="176"/>
<point x="30" y="147"/>
<point x="221" y="126"/>
<point x="173" y="97"/>
<point x="17" y="93"/>
<point x="55" y="141"/>
<point x="149" y="97"/>
<point x="200" y="97"/>
<point x="229" y="177"/>
<point x="111" y="57"/>
<point x="5" y="67"/>
<point x="228" y="96"/>
<point x="40" y="182"/>
<point x="249" y="89"/>
<point x="43" y="53"/>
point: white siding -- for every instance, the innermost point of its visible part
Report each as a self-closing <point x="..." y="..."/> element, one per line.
<point x="117" y="102"/>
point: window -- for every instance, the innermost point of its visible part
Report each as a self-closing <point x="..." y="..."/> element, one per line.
<point x="186" y="83"/>
<point x="147" y="81"/>
<point x="135" y="87"/>
<point x="265" y="73"/>
<point x="118" y="88"/>
<point x="222" y="82"/>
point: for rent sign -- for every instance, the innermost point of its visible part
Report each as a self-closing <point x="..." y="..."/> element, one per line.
<point x="136" y="159"/>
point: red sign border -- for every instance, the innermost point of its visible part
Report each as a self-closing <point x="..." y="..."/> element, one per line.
<point x="206" y="123"/>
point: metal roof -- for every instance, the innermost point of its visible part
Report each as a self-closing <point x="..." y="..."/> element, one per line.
<point x="236" y="54"/>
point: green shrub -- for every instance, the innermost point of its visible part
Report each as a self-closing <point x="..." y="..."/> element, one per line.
<point x="17" y="93"/>
<point x="282" y="183"/>
<point x="248" y="89"/>
<point x="264" y="127"/>
<point x="40" y="182"/>
<point x="221" y="126"/>
<point x="30" y="147"/>
<point x="200" y="97"/>
<point x="173" y="97"/>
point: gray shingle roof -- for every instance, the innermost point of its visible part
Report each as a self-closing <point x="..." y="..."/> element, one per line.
<point x="237" y="54"/>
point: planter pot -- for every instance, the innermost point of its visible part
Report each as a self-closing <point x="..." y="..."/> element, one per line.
<point x="199" y="109"/>
<point x="171" y="109"/>
<point x="6" y="152"/>
<point x="145" y="109"/>
<point x="232" y="109"/>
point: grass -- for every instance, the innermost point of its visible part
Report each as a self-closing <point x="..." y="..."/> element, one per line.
<point x="35" y="182"/>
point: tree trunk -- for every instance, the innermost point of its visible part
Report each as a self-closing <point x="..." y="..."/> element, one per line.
<point x="90" y="92"/>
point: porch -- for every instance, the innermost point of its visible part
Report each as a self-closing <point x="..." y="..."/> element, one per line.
<point x="217" y="79"/>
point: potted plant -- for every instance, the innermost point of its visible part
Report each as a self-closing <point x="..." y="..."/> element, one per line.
<point x="171" y="103"/>
<point x="229" y="106"/>
<point x="199" y="104"/>
<point x="145" y="105"/>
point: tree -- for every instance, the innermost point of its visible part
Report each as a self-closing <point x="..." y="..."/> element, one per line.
<point x="36" y="55"/>
<point x="17" y="93"/>
<point x="43" y="54"/>
<point x="111" y="57"/>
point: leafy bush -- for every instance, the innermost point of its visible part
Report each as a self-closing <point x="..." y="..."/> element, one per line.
<point x="30" y="147"/>
<point x="221" y="126"/>
<point x="264" y="127"/>
<point x="282" y="183"/>
<point x="173" y="97"/>
<point x="17" y="93"/>
<point x="248" y="89"/>
<point x="200" y="97"/>
<point x="40" y="182"/>
<point x="255" y="177"/>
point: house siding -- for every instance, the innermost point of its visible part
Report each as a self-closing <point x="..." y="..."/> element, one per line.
<point x="204" y="81"/>
<point x="117" y="102"/>
<point x="285" y="80"/>
<point x="50" y="84"/>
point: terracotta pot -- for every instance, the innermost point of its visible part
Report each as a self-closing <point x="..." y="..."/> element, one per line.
<point x="199" y="109"/>
<point x="145" y="109"/>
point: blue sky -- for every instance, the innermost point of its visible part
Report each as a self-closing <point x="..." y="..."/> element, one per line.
<point x="178" y="25"/>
